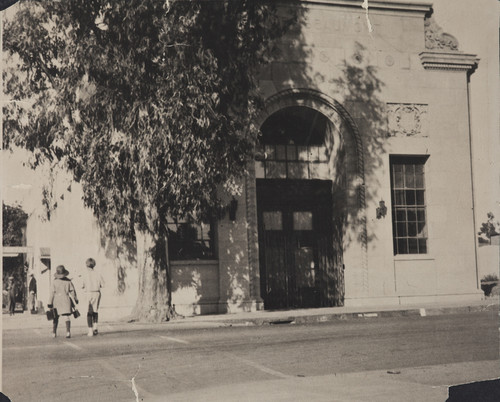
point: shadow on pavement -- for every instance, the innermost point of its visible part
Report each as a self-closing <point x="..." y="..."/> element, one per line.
<point x="482" y="391"/>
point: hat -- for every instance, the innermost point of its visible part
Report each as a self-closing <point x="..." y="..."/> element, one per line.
<point x="61" y="272"/>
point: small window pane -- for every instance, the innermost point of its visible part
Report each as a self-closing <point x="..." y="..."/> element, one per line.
<point x="402" y="246"/>
<point x="397" y="168"/>
<point x="422" y="246"/>
<point x="313" y="154"/>
<point x="420" y="197"/>
<point x="401" y="229"/>
<point x="412" y="246"/>
<point x="412" y="229"/>
<point x="272" y="220"/>
<point x="281" y="152"/>
<point x="421" y="229"/>
<point x="302" y="153"/>
<point x="260" y="170"/>
<point x="410" y="180"/>
<point x="419" y="180"/>
<point x="400" y="197"/>
<point x="412" y="215"/>
<point x="291" y="153"/>
<point x="421" y="215"/>
<point x="401" y="215"/>
<point x="302" y="220"/>
<point x="270" y="152"/>
<point x="410" y="197"/>
<point x="298" y="170"/>
<point x="419" y="169"/>
<point x="276" y="170"/>
<point x="398" y="180"/>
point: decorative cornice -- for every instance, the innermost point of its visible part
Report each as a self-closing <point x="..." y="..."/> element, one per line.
<point x="418" y="6"/>
<point x="449" y="61"/>
<point x="436" y="39"/>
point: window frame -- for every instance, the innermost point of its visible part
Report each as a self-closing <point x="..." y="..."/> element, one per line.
<point x="410" y="231"/>
<point x="211" y="238"/>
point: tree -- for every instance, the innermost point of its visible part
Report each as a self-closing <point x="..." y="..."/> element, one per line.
<point x="14" y="221"/>
<point x="488" y="229"/>
<point x="150" y="104"/>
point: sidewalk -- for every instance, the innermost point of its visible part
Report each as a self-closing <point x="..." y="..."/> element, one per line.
<point x="428" y="383"/>
<point x="301" y="316"/>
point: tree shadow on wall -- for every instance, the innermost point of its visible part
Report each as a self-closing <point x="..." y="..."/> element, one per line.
<point x="123" y="253"/>
<point x="359" y="89"/>
<point x="352" y="83"/>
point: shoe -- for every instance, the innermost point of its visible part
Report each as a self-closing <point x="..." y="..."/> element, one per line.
<point x="90" y="333"/>
<point x="95" y="332"/>
<point x="54" y="335"/>
<point x="68" y="335"/>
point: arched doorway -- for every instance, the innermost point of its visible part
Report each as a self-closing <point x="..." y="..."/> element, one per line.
<point x="308" y="172"/>
<point x="299" y="256"/>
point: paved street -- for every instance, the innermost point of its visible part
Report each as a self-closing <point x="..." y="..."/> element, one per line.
<point x="365" y="359"/>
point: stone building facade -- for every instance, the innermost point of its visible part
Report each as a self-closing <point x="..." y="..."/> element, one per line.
<point x="361" y="190"/>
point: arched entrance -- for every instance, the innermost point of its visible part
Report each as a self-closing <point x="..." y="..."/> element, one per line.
<point x="307" y="164"/>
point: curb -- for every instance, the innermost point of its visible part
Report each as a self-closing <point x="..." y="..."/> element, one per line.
<point x="318" y="318"/>
<point x="286" y="317"/>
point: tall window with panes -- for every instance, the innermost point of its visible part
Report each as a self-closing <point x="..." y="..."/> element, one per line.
<point x="409" y="221"/>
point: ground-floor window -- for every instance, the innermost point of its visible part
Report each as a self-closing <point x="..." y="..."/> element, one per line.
<point x="409" y="221"/>
<point x="188" y="240"/>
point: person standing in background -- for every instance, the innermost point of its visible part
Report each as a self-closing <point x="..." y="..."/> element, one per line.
<point x="11" y="295"/>
<point x="32" y="294"/>
<point x="92" y="283"/>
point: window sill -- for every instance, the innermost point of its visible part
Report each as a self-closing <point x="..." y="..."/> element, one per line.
<point x="413" y="257"/>
<point x="194" y="262"/>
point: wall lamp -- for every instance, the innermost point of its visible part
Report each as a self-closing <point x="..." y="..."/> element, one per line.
<point x="381" y="209"/>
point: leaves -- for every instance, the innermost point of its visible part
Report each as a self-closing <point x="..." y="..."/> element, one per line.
<point x="490" y="227"/>
<point x="149" y="104"/>
<point x="14" y="220"/>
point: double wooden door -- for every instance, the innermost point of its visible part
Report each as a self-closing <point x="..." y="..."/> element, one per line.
<point x="296" y="252"/>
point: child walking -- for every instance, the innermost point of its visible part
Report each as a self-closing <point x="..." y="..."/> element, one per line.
<point x="92" y="283"/>
<point x="62" y="299"/>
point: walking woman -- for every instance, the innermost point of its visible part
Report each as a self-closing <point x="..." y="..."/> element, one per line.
<point x="62" y="299"/>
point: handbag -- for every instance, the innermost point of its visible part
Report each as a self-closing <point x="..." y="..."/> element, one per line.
<point x="50" y="314"/>
<point x="74" y="311"/>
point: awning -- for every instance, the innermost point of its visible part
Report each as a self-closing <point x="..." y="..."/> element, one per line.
<point x="44" y="252"/>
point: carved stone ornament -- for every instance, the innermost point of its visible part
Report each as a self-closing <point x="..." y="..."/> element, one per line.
<point x="436" y="39"/>
<point x="407" y="119"/>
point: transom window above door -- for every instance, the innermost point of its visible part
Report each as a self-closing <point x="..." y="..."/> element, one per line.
<point x="297" y="125"/>
<point x="292" y="145"/>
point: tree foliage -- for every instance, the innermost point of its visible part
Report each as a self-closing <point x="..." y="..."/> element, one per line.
<point x="488" y="229"/>
<point x="14" y="220"/>
<point x="150" y="104"/>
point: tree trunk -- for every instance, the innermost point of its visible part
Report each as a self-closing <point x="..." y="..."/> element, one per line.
<point x="153" y="300"/>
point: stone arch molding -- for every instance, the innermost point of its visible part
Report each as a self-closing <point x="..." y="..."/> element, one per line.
<point x="348" y="132"/>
